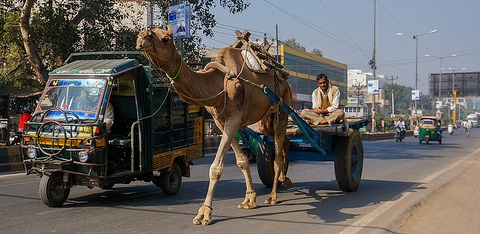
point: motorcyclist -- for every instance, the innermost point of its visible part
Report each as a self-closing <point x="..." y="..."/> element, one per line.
<point x="401" y="126"/>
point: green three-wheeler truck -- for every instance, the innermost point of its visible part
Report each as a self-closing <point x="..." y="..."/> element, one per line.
<point x="70" y="139"/>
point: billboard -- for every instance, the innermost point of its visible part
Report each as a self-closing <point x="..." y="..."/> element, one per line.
<point x="179" y="20"/>
<point x="373" y="87"/>
<point x="415" y="95"/>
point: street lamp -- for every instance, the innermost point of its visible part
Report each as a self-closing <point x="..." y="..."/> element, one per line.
<point x="454" y="93"/>
<point x="440" y="76"/>
<point x="416" y="36"/>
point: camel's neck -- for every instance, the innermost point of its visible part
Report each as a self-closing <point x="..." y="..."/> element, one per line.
<point x="198" y="88"/>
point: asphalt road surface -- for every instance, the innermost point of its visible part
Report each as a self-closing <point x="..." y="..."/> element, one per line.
<point x="403" y="184"/>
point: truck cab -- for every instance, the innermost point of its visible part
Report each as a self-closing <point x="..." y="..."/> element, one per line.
<point x="105" y="121"/>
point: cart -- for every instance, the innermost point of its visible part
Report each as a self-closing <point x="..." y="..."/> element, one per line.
<point x="341" y="143"/>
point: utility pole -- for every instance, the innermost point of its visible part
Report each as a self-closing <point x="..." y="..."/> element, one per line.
<point x="373" y="62"/>
<point x="393" y="97"/>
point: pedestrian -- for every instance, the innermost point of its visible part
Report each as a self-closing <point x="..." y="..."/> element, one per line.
<point x="24" y="117"/>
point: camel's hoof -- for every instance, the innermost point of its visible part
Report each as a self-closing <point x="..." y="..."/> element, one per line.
<point x="272" y="200"/>
<point x="250" y="201"/>
<point x="288" y="182"/>
<point x="204" y="216"/>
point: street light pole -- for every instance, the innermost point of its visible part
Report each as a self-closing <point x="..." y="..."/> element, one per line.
<point x="416" y="36"/>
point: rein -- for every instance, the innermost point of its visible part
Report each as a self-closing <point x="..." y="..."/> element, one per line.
<point x="178" y="72"/>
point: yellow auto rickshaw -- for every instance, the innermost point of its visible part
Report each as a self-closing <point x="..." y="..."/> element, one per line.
<point x="429" y="130"/>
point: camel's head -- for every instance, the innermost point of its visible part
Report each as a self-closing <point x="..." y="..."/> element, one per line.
<point x="156" y="39"/>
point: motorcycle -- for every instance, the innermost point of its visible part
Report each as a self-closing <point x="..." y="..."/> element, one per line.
<point x="399" y="134"/>
<point x="450" y="129"/>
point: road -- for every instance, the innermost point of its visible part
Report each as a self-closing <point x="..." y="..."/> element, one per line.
<point x="397" y="177"/>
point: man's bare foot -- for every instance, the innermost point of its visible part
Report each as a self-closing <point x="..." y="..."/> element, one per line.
<point x="324" y="121"/>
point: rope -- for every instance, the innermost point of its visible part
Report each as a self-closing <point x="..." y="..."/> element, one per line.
<point x="178" y="72"/>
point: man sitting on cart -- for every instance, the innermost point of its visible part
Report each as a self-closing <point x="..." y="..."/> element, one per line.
<point x="325" y="104"/>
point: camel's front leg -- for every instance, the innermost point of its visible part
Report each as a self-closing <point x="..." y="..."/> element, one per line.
<point x="204" y="215"/>
<point x="242" y="162"/>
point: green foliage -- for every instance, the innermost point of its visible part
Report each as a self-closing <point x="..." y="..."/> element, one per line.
<point x="402" y="96"/>
<point x="294" y="44"/>
<point x="318" y="52"/>
<point x="15" y="70"/>
<point x="59" y="28"/>
<point x="202" y="21"/>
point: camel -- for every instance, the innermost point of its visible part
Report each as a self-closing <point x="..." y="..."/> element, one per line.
<point x="232" y="94"/>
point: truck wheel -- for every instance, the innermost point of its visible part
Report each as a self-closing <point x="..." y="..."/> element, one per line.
<point x="52" y="191"/>
<point x="171" y="181"/>
<point x="349" y="162"/>
<point x="265" y="163"/>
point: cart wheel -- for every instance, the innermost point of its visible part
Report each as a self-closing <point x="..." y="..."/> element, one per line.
<point x="419" y="141"/>
<point x="108" y="185"/>
<point x="171" y="181"/>
<point x="265" y="161"/>
<point x="250" y="155"/>
<point x="349" y="161"/>
<point x="52" y="191"/>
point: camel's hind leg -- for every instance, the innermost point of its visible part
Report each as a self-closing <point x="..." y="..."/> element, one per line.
<point x="281" y="157"/>
<point x="243" y="164"/>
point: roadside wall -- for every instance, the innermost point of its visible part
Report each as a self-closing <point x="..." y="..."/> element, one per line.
<point x="10" y="159"/>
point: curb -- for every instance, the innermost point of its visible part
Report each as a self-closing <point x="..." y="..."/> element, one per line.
<point x="382" y="136"/>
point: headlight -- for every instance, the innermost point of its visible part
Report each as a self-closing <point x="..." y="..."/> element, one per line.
<point x="83" y="156"/>
<point x="31" y="152"/>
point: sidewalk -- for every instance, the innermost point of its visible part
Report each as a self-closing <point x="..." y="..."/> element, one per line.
<point x="453" y="208"/>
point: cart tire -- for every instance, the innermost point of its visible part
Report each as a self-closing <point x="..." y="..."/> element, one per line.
<point x="107" y="185"/>
<point x="265" y="163"/>
<point x="251" y="156"/>
<point x="349" y="162"/>
<point x="52" y="191"/>
<point x="171" y="181"/>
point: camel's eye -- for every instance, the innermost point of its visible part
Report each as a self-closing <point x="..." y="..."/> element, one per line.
<point x="165" y="39"/>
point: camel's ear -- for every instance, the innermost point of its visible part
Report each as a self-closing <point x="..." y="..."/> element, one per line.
<point x="169" y="31"/>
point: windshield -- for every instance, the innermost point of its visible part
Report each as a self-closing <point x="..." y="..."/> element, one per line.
<point x="80" y="96"/>
<point x="427" y="122"/>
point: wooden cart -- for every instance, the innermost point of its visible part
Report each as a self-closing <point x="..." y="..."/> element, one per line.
<point x="341" y="143"/>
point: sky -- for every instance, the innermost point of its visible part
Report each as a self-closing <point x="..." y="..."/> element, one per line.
<point x="344" y="31"/>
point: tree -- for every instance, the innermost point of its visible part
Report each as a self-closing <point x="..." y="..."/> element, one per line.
<point x="294" y="44"/>
<point x="402" y="95"/>
<point x="50" y="30"/>
<point x="318" y="52"/>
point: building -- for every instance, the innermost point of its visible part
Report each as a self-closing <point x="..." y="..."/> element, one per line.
<point x="358" y="94"/>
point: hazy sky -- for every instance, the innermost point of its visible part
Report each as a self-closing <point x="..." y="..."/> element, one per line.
<point x="344" y="31"/>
